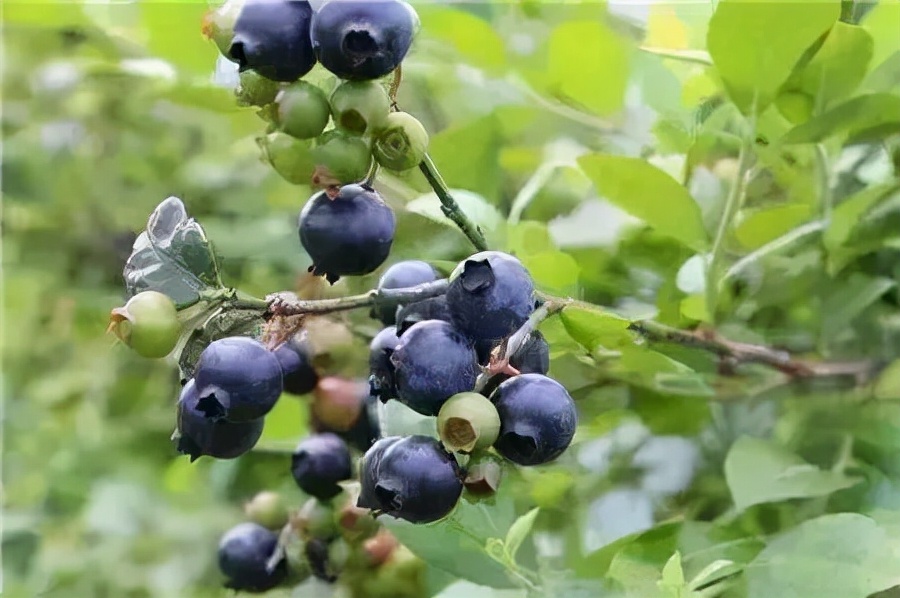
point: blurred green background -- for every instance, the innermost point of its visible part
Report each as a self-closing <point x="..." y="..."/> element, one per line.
<point x="108" y="108"/>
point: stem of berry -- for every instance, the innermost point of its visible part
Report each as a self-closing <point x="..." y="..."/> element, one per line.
<point x="449" y="206"/>
<point x="287" y="304"/>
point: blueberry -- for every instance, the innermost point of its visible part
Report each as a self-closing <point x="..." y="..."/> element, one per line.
<point x="401" y="143"/>
<point x="350" y="234"/>
<point x="319" y="463"/>
<point x="537" y="419"/>
<point x="238" y="379"/>
<point x="381" y="370"/>
<point x="411" y="478"/>
<point x="368" y="470"/>
<point x="295" y="356"/>
<point x="408" y="273"/>
<point x="272" y="38"/>
<point x="244" y="552"/>
<point x="360" y="107"/>
<point x="490" y="295"/>
<point x="433" y="308"/>
<point x="534" y="356"/>
<point x="432" y="363"/>
<point x="361" y="40"/>
<point x="200" y="435"/>
<point x="318" y="555"/>
<point x="340" y="158"/>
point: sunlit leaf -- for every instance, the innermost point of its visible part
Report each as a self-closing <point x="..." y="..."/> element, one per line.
<point x="755" y="44"/>
<point x="650" y="194"/>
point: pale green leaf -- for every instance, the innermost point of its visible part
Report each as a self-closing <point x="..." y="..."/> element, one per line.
<point x="845" y="555"/>
<point x="650" y="194"/>
<point x="595" y="327"/>
<point x="473" y="38"/>
<point x="758" y="471"/>
<point x="518" y="531"/>
<point x="851" y="300"/>
<point x="755" y="44"/>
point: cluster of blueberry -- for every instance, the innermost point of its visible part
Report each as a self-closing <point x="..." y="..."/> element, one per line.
<point x="347" y="229"/>
<point x="429" y="354"/>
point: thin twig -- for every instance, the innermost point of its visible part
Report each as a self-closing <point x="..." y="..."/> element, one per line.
<point x="287" y="304"/>
<point x="395" y="87"/>
<point x="502" y="353"/>
<point x="449" y="206"/>
<point x="739" y="352"/>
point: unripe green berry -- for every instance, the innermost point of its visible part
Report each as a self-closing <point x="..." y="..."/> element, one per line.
<point x="267" y="509"/>
<point x="340" y="159"/>
<point x="468" y="421"/>
<point x="148" y="323"/>
<point x="360" y="107"/>
<point x="316" y="519"/>
<point x="303" y="110"/>
<point x="401" y="143"/>
<point x="218" y="25"/>
<point x="255" y="90"/>
<point x="291" y="158"/>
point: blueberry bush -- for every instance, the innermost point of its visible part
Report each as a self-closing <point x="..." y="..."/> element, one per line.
<point x="434" y="299"/>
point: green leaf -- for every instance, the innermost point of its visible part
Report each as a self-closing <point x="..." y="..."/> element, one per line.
<point x="581" y="54"/>
<point x="758" y="471"/>
<point x="468" y="155"/>
<point x="518" y="531"/>
<point x="837" y="68"/>
<point x="851" y="300"/>
<point x="765" y="225"/>
<point x="174" y="33"/>
<point x="473" y="205"/>
<point x="456" y="544"/>
<point x="474" y="38"/>
<point x="172" y="256"/>
<point x="593" y="327"/>
<point x="672" y="584"/>
<point x="845" y="555"/>
<point x="874" y="115"/>
<point x="755" y="44"/>
<point x="553" y="271"/>
<point x="650" y="194"/>
<point x="839" y="238"/>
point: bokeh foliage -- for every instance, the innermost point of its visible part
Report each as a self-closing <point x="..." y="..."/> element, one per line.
<point x="607" y="169"/>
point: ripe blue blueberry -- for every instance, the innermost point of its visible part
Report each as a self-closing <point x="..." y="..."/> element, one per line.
<point x="361" y="40"/>
<point x="432" y="363"/>
<point x="537" y="419"/>
<point x="412" y="478"/>
<point x="368" y="471"/>
<point x="534" y="356"/>
<point x="433" y="308"/>
<point x="319" y="463"/>
<point x="238" y="379"/>
<point x="199" y="435"/>
<point x="350" y="234"/>
<point x="295" y="357"/>
<point x="408" y="273"/>
<point x="381" y="370"/>
<point x="490" y="295"/>
<point x="244" y="552"/>
<point x="272" y="38"/>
